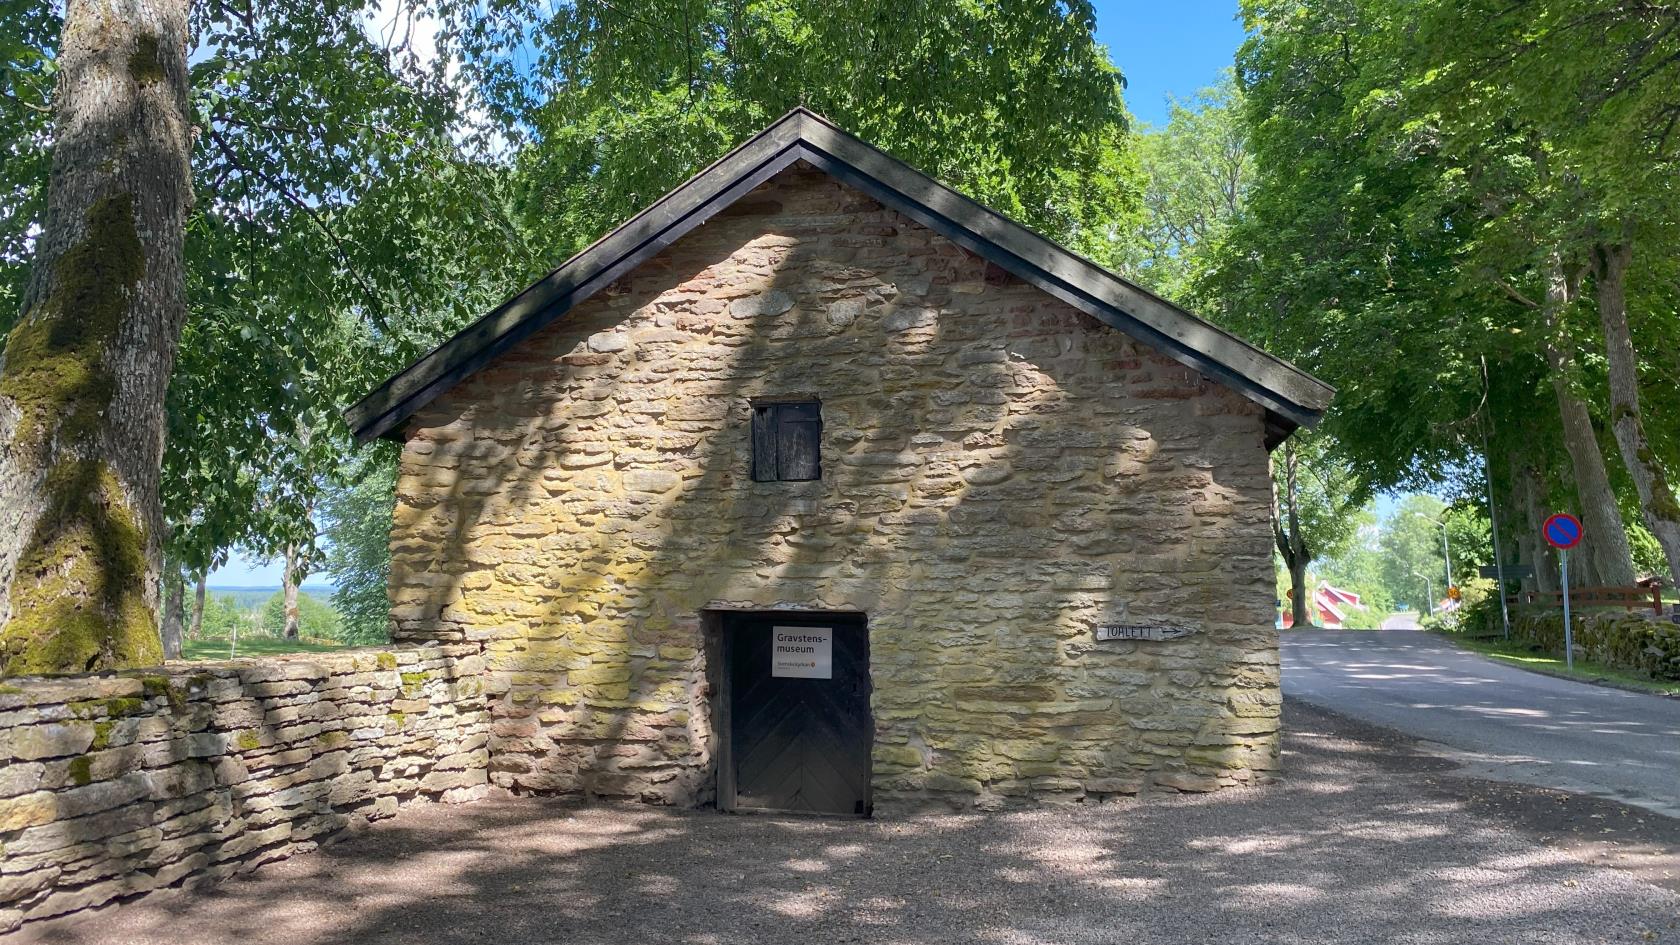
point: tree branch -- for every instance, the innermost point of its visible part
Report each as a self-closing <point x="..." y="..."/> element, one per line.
<point x="1516" y="296"/>
<point x="376" y="311"/>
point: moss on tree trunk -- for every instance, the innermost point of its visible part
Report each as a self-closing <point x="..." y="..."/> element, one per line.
<point x="84" y="371"/>
<point x="78" y="595"/>
<point x="56" y="376"/>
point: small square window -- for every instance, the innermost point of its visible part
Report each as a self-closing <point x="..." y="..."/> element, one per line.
<point x="786" y="441"/>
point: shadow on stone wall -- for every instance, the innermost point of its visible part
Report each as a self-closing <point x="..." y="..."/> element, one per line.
<point x="948" y="453"/>
<point x="114" y="785"/>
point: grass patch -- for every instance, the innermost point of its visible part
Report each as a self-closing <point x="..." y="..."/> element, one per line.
<point x="1524" y="656"/>
<point x="217" y="649"/>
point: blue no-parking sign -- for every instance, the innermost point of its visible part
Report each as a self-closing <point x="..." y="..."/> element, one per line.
<point x="1562" y="531"/>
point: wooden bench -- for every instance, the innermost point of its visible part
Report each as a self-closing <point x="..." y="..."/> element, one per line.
<point x="1627" y="598"/>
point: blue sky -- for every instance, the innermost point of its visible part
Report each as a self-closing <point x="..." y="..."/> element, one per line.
<point x="1171" y="48"/>
<point x="1164" y="49"/>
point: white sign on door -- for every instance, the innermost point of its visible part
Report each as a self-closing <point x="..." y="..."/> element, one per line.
<point x="802" y="652"/>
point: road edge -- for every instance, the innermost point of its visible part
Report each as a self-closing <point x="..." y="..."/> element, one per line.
<point x="1447" y="638"/>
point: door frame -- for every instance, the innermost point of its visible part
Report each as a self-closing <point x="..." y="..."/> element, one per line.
<point x="718" y="622"/>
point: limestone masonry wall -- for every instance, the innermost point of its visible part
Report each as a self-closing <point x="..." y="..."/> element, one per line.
<point x="1000" y="473"/>
<point x="116" y="784"/>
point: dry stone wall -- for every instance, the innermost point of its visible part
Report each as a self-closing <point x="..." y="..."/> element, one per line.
<point x="1637" y="641"/>
<point x="115" y="785"/>
<point x="1001" y="473"/>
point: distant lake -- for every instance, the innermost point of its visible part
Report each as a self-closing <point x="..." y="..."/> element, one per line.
<point x="252" y="588"/>
<point x="254" y="596"/>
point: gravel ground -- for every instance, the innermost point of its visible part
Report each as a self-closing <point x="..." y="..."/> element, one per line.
<point x="1368" y="840"/>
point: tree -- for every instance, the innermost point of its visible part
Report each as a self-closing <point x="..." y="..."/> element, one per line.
<point x="1410" y="542"/>
<point x="1431" y="195"/>
<point x="1014" y="104"/>
<point x="310" y="617"/>
<point x="1608" y="552"/>
<point x="1197" y="171"/>
<point x="195" y="630"/>
<point x="85" y="368"/>
<point x="291" y="575"/>
<point x="1587" y="182"/>
<point x="1470" y="536"/>
<point x="1359" y="568"/>
<point x="1315" y="505"/>
<point x="173" y="625"/>
<point x="348" y="223"/>
<point x="1656" y="496"/>
<point x="224" y="618"/>
<point x="1345" y="255"/>
<point x="28" y="38"/>
<point x="357" y="519"/>
<point x="341" y="227"/>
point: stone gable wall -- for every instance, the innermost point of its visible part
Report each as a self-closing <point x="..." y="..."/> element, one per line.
<point x="113" y="785"/>
<point x="1000" y="473"/>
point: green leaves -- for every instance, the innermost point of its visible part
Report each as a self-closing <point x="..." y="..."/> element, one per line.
<point x="28" y="43"/>
<point x="1353" y="255"/>
<point x="358" y="517"/>
<point x="340" y="229"/>
<point x="1011" y="102"/>
<point x="1198" y="170"/>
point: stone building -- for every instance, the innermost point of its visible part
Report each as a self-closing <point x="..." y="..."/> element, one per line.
<point x="817" y="485"/>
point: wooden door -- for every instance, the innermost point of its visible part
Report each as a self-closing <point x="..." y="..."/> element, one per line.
<point x="800" y="732"/>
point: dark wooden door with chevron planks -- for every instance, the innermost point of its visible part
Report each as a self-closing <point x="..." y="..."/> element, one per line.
<point x="799" y="724"/>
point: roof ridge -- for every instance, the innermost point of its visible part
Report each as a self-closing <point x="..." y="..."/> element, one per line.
<point x="1291" y="396"/>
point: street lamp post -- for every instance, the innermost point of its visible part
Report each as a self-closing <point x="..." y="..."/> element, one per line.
<point x="1428" y="594"/>
<point x="1446" y="552"/>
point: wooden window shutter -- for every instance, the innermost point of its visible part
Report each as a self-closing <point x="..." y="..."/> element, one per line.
<point x="799" y="441"/>
<point x="787" y="442"/>
<point x="764" y="443"/>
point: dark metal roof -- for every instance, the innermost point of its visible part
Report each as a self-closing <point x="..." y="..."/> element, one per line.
<point x="1291" y="397"/>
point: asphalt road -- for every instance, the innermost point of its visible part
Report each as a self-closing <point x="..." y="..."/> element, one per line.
<point x="1405" y="620"/>
<point x="1498" y="721"/>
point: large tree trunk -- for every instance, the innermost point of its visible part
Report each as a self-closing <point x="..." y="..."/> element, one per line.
<point x="197" y="630"/>
<point x="289" y="586"/>
<point x="1606" y="540"/>
<point x="174" y="604"/>
<point x="1656" y="498"/>
<point x="1583" y="565"/>
<point x="1290" y="542"/>
<point x="1300" y="598"/>
<point x="84" y="371"/>
<point x="1535" y="550"/>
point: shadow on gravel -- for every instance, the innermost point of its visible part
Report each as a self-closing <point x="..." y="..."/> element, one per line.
<point x="1368" y="841"/>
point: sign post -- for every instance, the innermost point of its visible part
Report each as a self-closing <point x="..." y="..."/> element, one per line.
<point x="1563" y="532"/>
<point x="1568" y="633"/>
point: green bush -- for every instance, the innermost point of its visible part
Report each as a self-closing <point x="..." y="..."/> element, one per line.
<point x="1477" y="613"/>
<point x="316" y="620"/>
<point x="357" y="518"/>
<point x="223" y="616"/>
